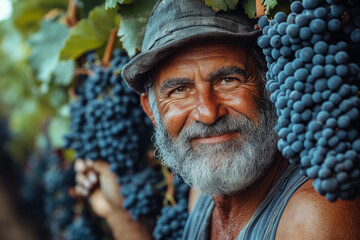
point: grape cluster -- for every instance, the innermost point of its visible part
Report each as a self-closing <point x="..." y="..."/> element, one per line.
<point x="314" y="85"/>
<point x="172" y="221"/>
<point x="108" y="123"/>
<point x="58" y="205"/>
<point x="181" y="189"/>
<point x="84" y="227"/>
<point x="106" y="120"/>
<point x="142" y="196"/>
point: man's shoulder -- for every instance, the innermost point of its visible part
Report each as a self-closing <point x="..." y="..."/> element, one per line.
<point x="309" y="215"/>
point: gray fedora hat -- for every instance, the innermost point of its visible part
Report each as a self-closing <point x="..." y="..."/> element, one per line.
<point x="174" y="23"/>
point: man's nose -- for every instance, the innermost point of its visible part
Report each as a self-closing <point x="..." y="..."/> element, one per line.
<point x="208" y="108"/>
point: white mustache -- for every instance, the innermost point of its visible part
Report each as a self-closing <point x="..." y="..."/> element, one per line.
<point x="226" y="124"/>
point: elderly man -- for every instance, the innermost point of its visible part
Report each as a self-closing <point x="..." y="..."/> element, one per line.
<point x="201" y="82"/>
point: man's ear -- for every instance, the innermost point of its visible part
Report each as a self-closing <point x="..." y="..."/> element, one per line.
<point x="144" y="99"/>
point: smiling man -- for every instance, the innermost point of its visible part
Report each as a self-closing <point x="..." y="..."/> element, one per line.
<point x="201" y="81"/>
<point x="213" y="123"/>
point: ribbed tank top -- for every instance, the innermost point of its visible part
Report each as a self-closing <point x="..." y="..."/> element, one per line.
<point x="265" y="220"/>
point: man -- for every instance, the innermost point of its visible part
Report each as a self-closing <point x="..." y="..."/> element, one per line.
<point x="201" y="83"/>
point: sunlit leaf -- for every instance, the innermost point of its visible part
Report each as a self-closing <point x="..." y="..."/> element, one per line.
<point x="12" y="42"/>
<point x="64" y="72"/>
<point x="28" y="13"/>
<point x="269" y="5"/>
<point x="26" y="121"/>
<point x="134" y="18"/>
<point x="90" y="33"/>
<point x="46" y="45"/>
<point x="57" y="128"/>
<point x="112" y="3"/>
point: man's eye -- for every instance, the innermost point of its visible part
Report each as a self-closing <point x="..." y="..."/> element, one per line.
<point x="228" y="80"/>
<point x="180" y="89"/>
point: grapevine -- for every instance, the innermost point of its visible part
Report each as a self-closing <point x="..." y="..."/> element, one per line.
<point x="106" y="119"/>
<point x="314" y="82"/>
<point x="173" y="218"/>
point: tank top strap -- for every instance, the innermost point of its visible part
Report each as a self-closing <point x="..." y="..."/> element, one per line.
<point x="198" y="223"/>
<point x="264" y="222"/>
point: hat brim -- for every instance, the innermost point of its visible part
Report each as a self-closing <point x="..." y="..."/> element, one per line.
<point x="135" y="72"/>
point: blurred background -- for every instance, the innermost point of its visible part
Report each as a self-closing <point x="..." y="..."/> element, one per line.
<point x="48" y="49"/>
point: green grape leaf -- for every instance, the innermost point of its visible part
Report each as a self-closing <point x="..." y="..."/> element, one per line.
<point x="44" y="59"/>
<point x="90" y="33"/>
<point x="134" y="18"/>
<point x="57" y="128"/>
<point x="113" y="3"/>
<point x="269" y="5"/>
<point x="27" y="14"/>
<point x="250" y="7"/>
<point x="11" y="42"/>
<point x="224" y="5"/>
<point x="26" y="121"/>
<point x="64" y="72"/>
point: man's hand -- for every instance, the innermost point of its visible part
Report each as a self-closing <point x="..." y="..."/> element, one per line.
<point x="95" y="180"/>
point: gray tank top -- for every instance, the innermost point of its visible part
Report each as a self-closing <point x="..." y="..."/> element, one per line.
<point x="265" y="220"/>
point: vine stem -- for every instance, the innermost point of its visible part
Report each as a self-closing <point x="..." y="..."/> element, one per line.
<point x="260" y="9"/>
<point x="170" y="192"/>
<point x="71" y="18"/>
<point x="109" y="48"/>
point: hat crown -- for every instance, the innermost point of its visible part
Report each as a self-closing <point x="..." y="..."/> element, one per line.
<point x="171" y="15"/>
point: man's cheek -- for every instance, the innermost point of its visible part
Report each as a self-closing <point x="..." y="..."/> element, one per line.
<point x="175" y="118"/>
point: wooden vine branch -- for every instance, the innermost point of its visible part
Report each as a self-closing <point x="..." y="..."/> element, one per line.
<point x="170" y="192"/>
<point x="71" y="18"/>
<point x="109" y="48"/>
<point x="170" y="189"/>
<point x="53" y="13"/>
<point x="260" y="9"/>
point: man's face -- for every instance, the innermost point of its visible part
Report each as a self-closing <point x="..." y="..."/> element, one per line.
<point x="203" y="83"/>
<point x="209" y="128"/>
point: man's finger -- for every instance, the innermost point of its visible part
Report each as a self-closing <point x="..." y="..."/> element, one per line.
<point x="79" y="165"/>
<point x="92" y="177"/>
<point x="79" y="190"/>
<point x="81" y="179"/>
<point x="103" y="168"/>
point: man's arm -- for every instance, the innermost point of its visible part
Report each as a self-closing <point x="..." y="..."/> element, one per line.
<point x="106" y="200"/>
<point x="309" y="215"/>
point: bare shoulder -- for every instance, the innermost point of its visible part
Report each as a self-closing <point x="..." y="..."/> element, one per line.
<point x="309" y="215"/>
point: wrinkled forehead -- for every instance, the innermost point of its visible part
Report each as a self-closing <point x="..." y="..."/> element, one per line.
<point x="212" y="52"/>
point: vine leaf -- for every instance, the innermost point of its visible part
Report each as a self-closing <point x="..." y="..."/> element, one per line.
<point x="90" y="33"/>
<point x="269" y="5"/>
<point x="64" y="72"/>
<point x="113" y="3"/>
<point x="250" y="7"/>
<point x="134" y="18"/>
<point x="27" y="14"/>
<point x="224" y="5"/>
<point x="57" y="128"/>
<point x="44" y="59"/>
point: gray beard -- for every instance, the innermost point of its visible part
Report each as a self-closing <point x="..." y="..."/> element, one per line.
<point x="223" y="168"/>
